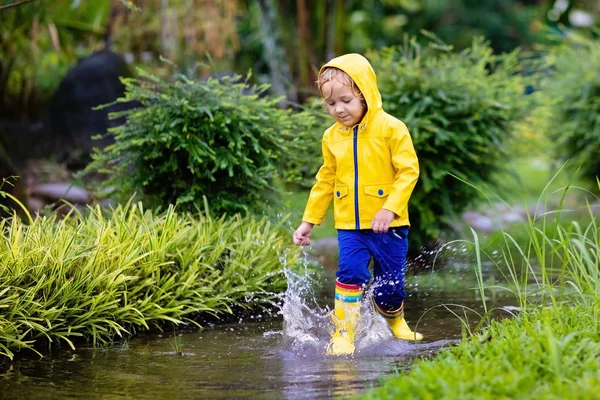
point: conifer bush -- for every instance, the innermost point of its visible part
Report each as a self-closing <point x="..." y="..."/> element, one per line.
<point x="219" y="138"/>
<point x="461" y="109"/>
<point x="301" y="171"/>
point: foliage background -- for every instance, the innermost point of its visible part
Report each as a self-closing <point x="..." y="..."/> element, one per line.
<point x="284" y="42"/>
<point x="573" y="104"/>
<point x="461" y="109"/>
<point x="40" y="40"/>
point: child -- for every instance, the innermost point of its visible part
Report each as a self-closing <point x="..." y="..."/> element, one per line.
<point x="370" y="168"/>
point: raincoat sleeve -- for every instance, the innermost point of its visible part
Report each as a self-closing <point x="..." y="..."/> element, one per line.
<point x="406" y="164"/>
<point x="322" y="192"/>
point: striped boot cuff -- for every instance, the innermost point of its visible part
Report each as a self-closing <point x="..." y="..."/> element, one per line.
<point x="399" y="312"/>
<point x="348" y="293"/>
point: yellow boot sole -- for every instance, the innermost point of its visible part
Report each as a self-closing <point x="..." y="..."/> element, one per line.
<point x="340" y="345"/>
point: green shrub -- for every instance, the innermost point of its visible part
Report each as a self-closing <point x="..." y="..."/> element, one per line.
<point x="223" y="139"/>
<point x="99" y="277"/>
<point x="572" y="93"/>
<point x="302" y="171"/>
<point x="461" y="109"/>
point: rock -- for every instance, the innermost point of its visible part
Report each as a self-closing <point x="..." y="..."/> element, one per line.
<point x="35" y="204"/>
<point x="511" y="217"/>
<point x="66" y="130"/>
<point x="72" y="118"/>
<point x="479" y="222"/>
<point x="57" y="191"/>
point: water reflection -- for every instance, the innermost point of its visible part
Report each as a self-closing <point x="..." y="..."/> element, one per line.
<point x="227" y="362"/>
<point x="281" y="358"/>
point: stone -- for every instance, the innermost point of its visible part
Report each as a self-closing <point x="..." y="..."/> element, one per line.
<point x="35" y="204"/>
<point x="512" y="217"/>
<point x="65" y="191"/>
<point x="479" y="222"/>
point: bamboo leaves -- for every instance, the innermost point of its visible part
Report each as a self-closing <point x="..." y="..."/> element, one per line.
<point x="99" y="277"/>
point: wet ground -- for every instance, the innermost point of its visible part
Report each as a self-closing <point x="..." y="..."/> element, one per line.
<point x="263" y="357"/>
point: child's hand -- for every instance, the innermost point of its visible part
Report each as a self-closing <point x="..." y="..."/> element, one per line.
<point x="302" y="234"/>
<point x="382" y="221"/>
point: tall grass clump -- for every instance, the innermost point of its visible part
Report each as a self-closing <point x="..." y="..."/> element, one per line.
<point x="225" y="139"/>
<point x="545" y="354"/>
<point x="100" y="277"/>
<point x="462" y="109"/>
<point x="555" y="254"/>
<point x="550" y="348"/>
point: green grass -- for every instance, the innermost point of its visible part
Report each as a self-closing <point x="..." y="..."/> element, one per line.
<point x="550" y="349"/>
<point x="294" y="203"/>
<point x="545" y="354"/>
<point x="99" y="277"/>
<point x="523" y="179"/>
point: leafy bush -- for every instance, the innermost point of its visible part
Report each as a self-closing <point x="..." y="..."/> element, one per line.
<point x="302" y="170"/>
<point x="99" y="277"/>
<point x="572" y="93"/>
<point x="461" y="109"/>
<point x="220" y="138"/>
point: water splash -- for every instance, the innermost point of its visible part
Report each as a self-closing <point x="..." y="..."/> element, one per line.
<point x="307" y="326"/>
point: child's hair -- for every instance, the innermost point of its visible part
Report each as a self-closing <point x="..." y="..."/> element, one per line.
<point x="331" y="73"/>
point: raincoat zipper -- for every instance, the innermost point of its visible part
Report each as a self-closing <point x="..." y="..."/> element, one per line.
<point x="356" y="215"/>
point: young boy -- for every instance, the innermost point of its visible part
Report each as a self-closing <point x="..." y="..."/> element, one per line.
<point x="370" y="169"/>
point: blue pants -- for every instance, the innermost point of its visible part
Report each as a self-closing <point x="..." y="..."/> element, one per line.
<point x="389" y="254"/>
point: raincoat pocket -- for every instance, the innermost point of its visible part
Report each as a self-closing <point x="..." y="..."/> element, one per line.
<point x="342" y="205"/>
<point x="379" y="190"/>
<point x="375" y="197"/>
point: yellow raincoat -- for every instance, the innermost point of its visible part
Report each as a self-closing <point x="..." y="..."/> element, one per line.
<point x="370" y="166"/>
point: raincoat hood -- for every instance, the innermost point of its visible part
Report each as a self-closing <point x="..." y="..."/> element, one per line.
<point x="361" y="72"/>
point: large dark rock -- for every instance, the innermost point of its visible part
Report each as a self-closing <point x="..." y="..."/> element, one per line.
<point x="66" y="131"/>
<point x="72" y="119"/>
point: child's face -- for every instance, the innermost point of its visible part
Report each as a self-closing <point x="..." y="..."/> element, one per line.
<point x="342" y="103"/>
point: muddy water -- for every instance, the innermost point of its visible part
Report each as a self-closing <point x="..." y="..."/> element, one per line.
<point x="262" y="357"/>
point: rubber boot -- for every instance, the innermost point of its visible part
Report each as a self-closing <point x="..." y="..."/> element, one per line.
<point x="397" y="323"/>
<point x="401" y="330"/>
<point x="345" y="318"/>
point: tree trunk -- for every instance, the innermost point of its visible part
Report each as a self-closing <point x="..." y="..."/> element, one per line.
<point x="340" y="16"/>
<point x="274" y="52"/>
<point x="168" y="36"/>
<point x="303" y="40"/>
